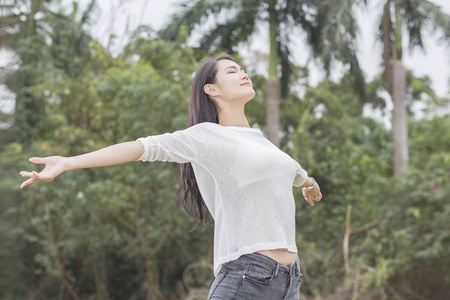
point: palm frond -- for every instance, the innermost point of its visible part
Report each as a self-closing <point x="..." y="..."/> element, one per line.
<point x="356" y="73"/>
<point x="233" y="31"/>
<point x="88" y="13"/>
<point x="69" y="42"/>
<point x="303" y="14"/>
<point x="193" y="13"/>
<point x="422" y="15"/>
<point x="337" y="42"/>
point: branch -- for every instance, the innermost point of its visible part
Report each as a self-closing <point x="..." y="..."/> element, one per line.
<point x="349" y="231"/>
<point x="365" y="227"/>
<point x="347" y="238"/>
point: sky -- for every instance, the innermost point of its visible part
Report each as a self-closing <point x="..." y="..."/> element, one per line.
<point x="435" y="62"/>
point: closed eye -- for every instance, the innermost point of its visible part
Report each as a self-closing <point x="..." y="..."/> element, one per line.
<point x="233" y="69"/>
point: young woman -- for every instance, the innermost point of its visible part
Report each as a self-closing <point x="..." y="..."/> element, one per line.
<point x="229" y="172"/>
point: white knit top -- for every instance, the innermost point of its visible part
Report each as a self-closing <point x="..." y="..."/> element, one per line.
<point x="245" y="181"/>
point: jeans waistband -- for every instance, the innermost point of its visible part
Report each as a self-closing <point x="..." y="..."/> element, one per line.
<point x="292" y="269"/>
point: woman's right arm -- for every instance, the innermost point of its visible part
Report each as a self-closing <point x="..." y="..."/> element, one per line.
<point x="56" y="165"/>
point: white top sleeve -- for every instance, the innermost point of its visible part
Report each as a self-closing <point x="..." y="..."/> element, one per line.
<point x="172" y="147"/>
<point x="300" y="176"/>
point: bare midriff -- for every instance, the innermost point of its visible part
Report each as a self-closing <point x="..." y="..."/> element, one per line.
<point x="282" y="255"/>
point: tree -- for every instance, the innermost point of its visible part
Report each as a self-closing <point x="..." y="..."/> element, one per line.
<point x="350" y="155"/>
<point x="25" y="29"/>
<point x="329" y="27"/>
<point x="92" y="230"/>
<point x="414" y="17"/>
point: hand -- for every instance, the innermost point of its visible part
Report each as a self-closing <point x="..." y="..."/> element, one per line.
<point x="313" y="195"/>
<point x="54" y="166"/>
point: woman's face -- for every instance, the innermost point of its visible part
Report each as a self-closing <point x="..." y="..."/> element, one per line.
<point x="232" y="83"/>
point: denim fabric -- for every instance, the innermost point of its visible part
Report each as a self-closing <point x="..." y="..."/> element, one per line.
<point x="256" y="276"/>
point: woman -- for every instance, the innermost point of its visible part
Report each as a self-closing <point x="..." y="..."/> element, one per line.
<point x="229" y="171"/>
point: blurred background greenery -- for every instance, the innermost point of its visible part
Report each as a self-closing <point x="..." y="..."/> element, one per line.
<point x="382" y="230"/>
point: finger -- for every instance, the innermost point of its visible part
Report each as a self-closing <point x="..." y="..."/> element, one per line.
<point x="27" y="174"/>
<point x="38" y="176"/>
<point x="38" y="160"/>
<point x="28" y="182"/>
<point x="309" y="201"/>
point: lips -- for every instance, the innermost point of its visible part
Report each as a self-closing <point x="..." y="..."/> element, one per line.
<point x="247" y="83"/>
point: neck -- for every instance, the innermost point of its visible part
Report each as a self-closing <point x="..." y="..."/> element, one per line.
<point x="233" y="116"/>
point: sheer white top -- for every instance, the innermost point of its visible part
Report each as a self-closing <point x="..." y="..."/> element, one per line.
<point x="245" y="181"/>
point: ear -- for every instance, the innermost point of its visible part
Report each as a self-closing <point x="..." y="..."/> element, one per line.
<point x="211" y="90"/>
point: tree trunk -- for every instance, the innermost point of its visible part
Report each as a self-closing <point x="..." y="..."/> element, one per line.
<point x="100" y="277"/>
<point x="273" y="82"/>
<point x="153" y="287"/>
<point x="273" y="109"/>
<point x="399" y="122"/>
<point x="54" y="253"/>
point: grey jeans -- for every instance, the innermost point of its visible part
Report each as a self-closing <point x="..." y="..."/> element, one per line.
<point x="256" y="276"/>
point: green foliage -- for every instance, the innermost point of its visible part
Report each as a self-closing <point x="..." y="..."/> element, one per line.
<point x="92" y="230"/>
<point x="350" y="155"/>
<point x="119" y="232"/>
<point x="25" y="28"/>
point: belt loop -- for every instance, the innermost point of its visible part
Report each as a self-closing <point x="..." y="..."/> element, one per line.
<point x="276" y="269"/>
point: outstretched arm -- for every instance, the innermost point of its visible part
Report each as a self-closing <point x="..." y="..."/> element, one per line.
<point x="56" y="165"/>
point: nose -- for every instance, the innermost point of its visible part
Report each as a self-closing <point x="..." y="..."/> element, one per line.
<point x="244" y="76"/>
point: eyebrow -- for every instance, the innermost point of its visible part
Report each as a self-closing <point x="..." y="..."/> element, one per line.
<point x="233" y="67"/>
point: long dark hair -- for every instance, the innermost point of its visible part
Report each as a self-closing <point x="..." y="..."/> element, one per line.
<point x="201" y="109"/>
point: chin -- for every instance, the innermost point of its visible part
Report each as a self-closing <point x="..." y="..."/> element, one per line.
<point x="245" y="97"/>
<point x="250" y="96"/>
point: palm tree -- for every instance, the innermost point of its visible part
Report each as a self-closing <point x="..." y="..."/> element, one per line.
<point x="330" y="33"/>
<point x="414" y="17"/>
<point x="35" y="33"/>
<point x="18" y="32"/>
